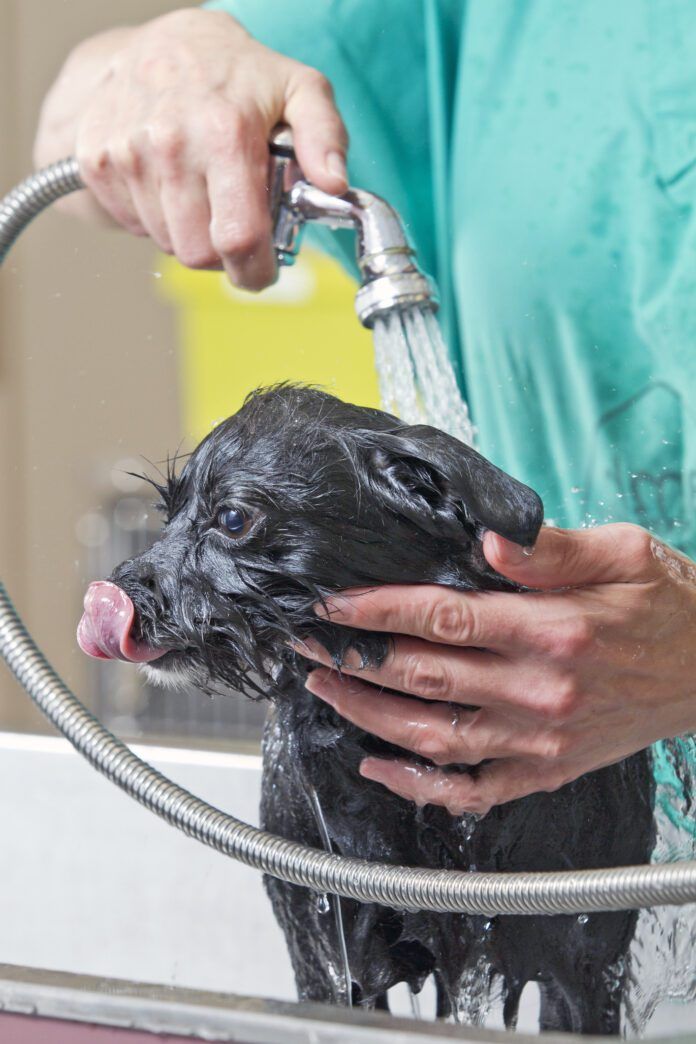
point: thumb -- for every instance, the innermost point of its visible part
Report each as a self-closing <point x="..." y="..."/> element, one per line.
<point x="319" y="135"/>
<point x="617" y="553"/>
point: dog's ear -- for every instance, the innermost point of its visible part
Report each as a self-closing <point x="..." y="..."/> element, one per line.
<point x="424" y="472"/>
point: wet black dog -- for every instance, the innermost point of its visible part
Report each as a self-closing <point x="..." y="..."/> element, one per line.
<point x="299" y="495"/>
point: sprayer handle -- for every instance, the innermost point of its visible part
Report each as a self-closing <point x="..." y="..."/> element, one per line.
<point x="284" y="172"/>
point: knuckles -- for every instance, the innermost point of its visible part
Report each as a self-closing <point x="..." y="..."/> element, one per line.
<point x="571" y="640"/>
<point x="458" y="795"/>
<point x="636" y="545"/>
<point x="234" y="131"/>
<point x="475" y="803"/>
<point x="230" y="129"/>
<point x="168" y="143"/>
<point x="194" y="255"/>
<point x="237" y="242"/>
<point x="125" y="158"/>
<point x="562" y="701"/>
<point x="450" y="621"/>
<point x="425" y="676"/>
<point x="240" y="239"/>
<point x="426" y="744"/>
<point x="442" y="749"/>
<point x="556" y="745"/>
<point x="94" y="163"/>
<point x="316" y="81"/>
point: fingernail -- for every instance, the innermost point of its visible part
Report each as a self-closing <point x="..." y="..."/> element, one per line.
<point x="336" y="165"/>
<point x="352" y="661"/>
<point x="319" y="685"/>
<point x="372" y="769"/>
<point x="337" y="612"/>
<point x="308" y="647"/>
<point x="512" y="554"/>
<point x="369" y="768"/>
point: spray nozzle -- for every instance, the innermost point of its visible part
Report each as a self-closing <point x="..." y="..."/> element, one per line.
<point x="390" y="278"/>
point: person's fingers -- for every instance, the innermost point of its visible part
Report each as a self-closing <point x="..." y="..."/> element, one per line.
<point x="240" y="229"/>
<point x="616" y="553"/>
<point x="319" y="134"/>
<point x="491" y="784"/>
<point x="430" y="611"/>
<point x="105" y="181"/>
<point x="509" y="623"/>
<point x="187" y="214"/>
<point x="148" y="204"/>
<point x="167" y="185"/>
<point x="434" y="672"/>
<point x="441" y="732"/>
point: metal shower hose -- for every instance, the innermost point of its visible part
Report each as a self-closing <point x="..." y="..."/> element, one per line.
<point x="400" y="887"/>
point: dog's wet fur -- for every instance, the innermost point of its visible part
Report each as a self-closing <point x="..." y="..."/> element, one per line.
<point x="338" y="496"/>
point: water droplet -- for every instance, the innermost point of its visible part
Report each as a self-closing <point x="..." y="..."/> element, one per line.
<point x="583" y="919"/>
<point x="323" y="904"/>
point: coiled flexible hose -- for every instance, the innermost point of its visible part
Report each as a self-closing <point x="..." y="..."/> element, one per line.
<point x="576" y="891"/>
<point x="32" y="196"/>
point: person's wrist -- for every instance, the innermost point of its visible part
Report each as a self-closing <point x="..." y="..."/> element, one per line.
<point x="185" y="20"/>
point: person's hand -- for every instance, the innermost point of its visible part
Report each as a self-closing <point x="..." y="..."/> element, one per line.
<point x="170" y="124"/>
<point x="534" y="688"/>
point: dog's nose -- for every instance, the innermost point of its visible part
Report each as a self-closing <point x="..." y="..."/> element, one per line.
<point x="106" y="625"/>
<point x="146" y="575"/>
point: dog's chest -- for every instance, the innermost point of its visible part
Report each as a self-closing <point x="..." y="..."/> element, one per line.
<point x="307" y="746"/>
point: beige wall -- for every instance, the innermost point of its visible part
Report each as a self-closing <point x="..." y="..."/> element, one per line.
<point x="87" y="354"/>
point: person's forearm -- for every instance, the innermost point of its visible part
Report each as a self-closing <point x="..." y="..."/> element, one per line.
<point x="86" y="66"/>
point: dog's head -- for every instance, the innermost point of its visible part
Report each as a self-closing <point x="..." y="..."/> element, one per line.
<point x="296" y="496"/>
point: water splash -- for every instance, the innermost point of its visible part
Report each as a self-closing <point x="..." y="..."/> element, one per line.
<point x="416" y="378"/>
<point x="662" y="961"/>
<point x="326" y="901"/>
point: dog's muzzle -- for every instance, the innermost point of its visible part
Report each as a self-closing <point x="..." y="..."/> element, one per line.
<point x="106" y="628"/>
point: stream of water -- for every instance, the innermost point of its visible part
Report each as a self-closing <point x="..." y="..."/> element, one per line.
<point x="416" y="377"/>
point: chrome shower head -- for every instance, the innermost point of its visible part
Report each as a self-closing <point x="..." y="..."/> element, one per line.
<point x="391" y="281"/>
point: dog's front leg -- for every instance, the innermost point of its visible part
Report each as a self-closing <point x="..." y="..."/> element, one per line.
<point x="304" y="917"/>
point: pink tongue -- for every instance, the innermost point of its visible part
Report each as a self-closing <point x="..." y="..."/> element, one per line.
<point x="105" y="628"/>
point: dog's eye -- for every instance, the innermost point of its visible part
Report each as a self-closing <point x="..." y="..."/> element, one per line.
<point x="234" y="521"/>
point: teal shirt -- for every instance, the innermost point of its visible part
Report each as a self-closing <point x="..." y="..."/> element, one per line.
<point x="543" y="156"/>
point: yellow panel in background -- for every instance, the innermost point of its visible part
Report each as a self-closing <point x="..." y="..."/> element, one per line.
<point x="302" y="329"/>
